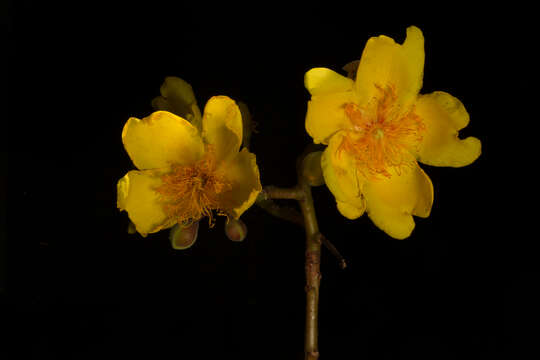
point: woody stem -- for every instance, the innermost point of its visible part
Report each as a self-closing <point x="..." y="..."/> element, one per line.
<point x="274" y="192"/>
<point x="302" y="194"/>
<point x="313" y="257"/>
<point x="265" y="201"/>
<point x="312" y="268"/>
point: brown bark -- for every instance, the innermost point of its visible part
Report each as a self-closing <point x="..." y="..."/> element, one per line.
<point x="313" y="272"/>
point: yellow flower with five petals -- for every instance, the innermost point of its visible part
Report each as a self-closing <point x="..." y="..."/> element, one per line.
<point x="377" y="127"/>
<point x="185" y="173"/>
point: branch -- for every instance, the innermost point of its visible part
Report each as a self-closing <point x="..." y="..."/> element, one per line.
<point x="314" y="240"/>
<point x="292" y="215"/>
<point x="282" y="212"/>
<point x="274" y="192"/>
<point x="313" y="272"/>
<point x="322" y="239"/>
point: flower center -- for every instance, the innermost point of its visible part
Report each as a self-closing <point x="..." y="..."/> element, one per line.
<point x="190" y="192"/>
<point x="381" y="137"/>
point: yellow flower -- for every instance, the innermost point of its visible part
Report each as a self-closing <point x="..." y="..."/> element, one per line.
<point x="186" y="174"/>
<point x="377" y="127"/>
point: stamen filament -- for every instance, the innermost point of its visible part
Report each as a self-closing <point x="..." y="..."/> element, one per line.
<point x="191" y="192"/>
<point x="381" y="137"/>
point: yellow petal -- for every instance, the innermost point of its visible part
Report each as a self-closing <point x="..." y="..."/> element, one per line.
<point x="350" y="211"/>
<point x="326" y="115"/>
<point x="386" y="63"/>
<point x="177" y="97"/>
<point x="391" y="202"/>
<point x="161" y="139"/>
<point x="320" y="81"/>
<point x="342" y="179"/>
<point x="136" y="195"/>
<point x="222" y="127"/>
<point x="243" y="174"/>
<point x="444" y="115"/>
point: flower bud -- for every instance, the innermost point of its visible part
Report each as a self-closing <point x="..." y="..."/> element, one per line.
<point x="235" y="230"/>
<point x="311" y="168"/>
<point x="183" y="236"/>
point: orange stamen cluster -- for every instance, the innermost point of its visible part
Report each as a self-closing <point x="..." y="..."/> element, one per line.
<point x="381" y="136"/>
<point x="191" y="192"/>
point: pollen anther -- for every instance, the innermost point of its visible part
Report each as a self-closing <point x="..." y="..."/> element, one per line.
<point x="190" y="192"/>
<point x="381" y="137"/>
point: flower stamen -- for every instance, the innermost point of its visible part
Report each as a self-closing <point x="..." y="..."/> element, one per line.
<point x="381" y="137"/>
<point x="190" y="192"/>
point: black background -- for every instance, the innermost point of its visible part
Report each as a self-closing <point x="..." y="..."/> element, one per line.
<point x="76" y="285"/>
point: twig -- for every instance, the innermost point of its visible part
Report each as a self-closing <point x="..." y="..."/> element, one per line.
<point x="313" y="270"/>
<point x="333" y="250"/>
<point x="282" y="212"/>
<point x="292" y="215"/>
<point x="274" y="192"/>
<point x="314" y="240"/>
